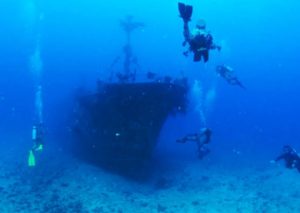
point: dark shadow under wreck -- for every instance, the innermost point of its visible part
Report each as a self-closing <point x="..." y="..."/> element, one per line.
<point x="120" y="124"/>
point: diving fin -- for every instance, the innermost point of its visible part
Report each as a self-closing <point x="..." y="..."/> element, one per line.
<point x="31" y="159"/>
<point x="185" y="11"/>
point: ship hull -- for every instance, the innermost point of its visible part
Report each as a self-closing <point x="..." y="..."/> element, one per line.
<point x="119" y="125"/>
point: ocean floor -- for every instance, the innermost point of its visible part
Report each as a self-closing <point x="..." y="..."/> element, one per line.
<point x="64" y="184"/>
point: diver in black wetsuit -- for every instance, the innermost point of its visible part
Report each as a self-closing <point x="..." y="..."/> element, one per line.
<point x="228" y="74"/>
<point x="200" y="40"/>
<point x="290" y="156"/>
<point x="202" y="138"/>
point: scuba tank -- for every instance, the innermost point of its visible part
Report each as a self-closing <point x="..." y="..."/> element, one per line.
<point x="34" y="133"/>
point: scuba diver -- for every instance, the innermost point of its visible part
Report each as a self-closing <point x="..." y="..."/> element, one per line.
<point x="227" y="73"/>
<point x="290" y="156"/>
<point x="202" y="138"/>
<point x="38" y="143"/>
<point x="200" y="40"/>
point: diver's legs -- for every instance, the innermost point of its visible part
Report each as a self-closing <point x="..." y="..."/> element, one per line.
<point x="181" y="8"/>
<point x="185" y="11"/>
<point x="203" y="152"/>
<point x="197" y="56"/>
<point x="205" y="55"/>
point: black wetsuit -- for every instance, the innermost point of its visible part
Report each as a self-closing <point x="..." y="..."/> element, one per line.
<point x="292" y="160"/>
<point x="200" y="43"/>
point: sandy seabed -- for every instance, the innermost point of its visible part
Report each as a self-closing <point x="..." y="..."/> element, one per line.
<point x="69" y="185"/>
<point x="79" y="187"/>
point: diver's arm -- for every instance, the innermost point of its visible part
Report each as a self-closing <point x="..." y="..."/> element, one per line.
<point x="185" y="139"/>
<point x="192" y="137"/>
<point x="280" y="157"/>
<point x="215" y="46"/>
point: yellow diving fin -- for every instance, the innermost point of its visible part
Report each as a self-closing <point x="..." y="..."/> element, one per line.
<point x="31" y="159"/>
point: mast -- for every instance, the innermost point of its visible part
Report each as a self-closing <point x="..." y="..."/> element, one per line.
<point x="129" y="73"/>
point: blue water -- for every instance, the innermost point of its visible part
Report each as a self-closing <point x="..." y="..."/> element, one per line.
<point x="80" y="39"/>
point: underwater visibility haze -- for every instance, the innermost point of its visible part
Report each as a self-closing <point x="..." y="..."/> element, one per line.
<point x="62" y="66"/>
